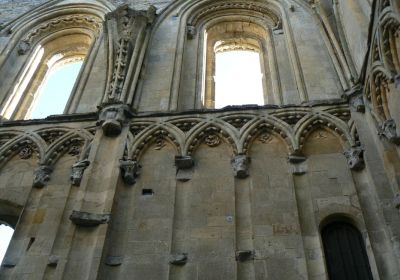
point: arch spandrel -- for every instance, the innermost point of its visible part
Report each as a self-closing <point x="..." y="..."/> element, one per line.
<point x="335" y="125"/>
<point x="264" y="130"/>
<point x="157" y="135"/>
<point x="211" y="133"/>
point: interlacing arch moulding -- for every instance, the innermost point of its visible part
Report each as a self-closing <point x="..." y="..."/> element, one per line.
<point x="240" y="131"/>
<point x="48" y="145"/>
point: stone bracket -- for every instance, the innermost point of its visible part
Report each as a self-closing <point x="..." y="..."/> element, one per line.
<point x="179" y="259"/>
<point x="86" y="219"/>
<point x="355" y="158"/>
<point x="53" y="261"/>
<point x="114" y="260"/>
<point x="113" y="117"/>
<point x="184" y="162"/>
<point x="388" y="130"/>
<point x="299" y="169"/>
<point x="296" y="159"/>
<point x="240" y="165"/>
<point x="184" y="166"/>
<point x="77" y="171"/>
<point x="42" y="176"/>
<point x="130" y="170"/>
<point x="245" y="255"/>
<point x="9" y="262"/>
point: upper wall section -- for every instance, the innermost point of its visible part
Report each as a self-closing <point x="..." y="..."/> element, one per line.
<point x="167" y="62"/>
<point x="11" y="9"/>
<point x="301" y="59"/>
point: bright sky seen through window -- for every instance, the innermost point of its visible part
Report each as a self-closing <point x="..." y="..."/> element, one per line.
<point x="238" y="78"/>
<point x="55" y="91"/>
<point x="6" y="233"/>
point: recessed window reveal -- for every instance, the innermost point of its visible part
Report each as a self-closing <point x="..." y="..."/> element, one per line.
<point x="54" y="92"/>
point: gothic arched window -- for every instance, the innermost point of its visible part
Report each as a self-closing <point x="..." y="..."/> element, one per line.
<point x="238" y="59"/>
<point x="345" y="254"/>
<point x="42" y="50"/>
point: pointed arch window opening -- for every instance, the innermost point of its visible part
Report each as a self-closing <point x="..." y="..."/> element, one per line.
<point x="47" y="57"/>
<point x="238" y="75"/>
<point x="246" y="47"/>
<point x="55" y="89"/>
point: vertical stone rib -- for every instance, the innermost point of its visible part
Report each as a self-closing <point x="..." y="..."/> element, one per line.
<point x="244" y="229"/>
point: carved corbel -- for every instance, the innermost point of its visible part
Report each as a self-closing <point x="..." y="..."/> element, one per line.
<point x="113" y="117"/>
<point x="114" y="260"/>
<point x="86" y="219"/>
<point x="130" y="170"/>
<point x="295" y="159"/>
<point x="240" y="164"/>
<point x="355" y="158"/>
<point x="298" y="164"/>
<point x="184" y="165"/>
<point x="77" y="171"/>
<point x="184" y="162"/>
<point x="388" y="130"/>
<point x="42" y="176"/>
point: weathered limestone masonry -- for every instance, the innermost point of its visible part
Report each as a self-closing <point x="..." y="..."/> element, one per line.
<point x="141" y="178"/>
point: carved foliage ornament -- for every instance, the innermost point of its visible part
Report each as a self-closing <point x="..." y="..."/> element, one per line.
<point x="26" y="152"/>
<point x="124" y="26"/>
<point x="212" y="140"/>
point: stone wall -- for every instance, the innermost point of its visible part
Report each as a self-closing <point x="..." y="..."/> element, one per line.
<point x="141" y="179"/>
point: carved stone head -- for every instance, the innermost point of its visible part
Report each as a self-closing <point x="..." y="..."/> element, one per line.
<point x="129" y="171"/>
<point x="42" y="176"/>
<point x="111" y="119"/>
<point x="388" y="130"/>
<point x="355" y="158"/>
<point x="240" y="164"/>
